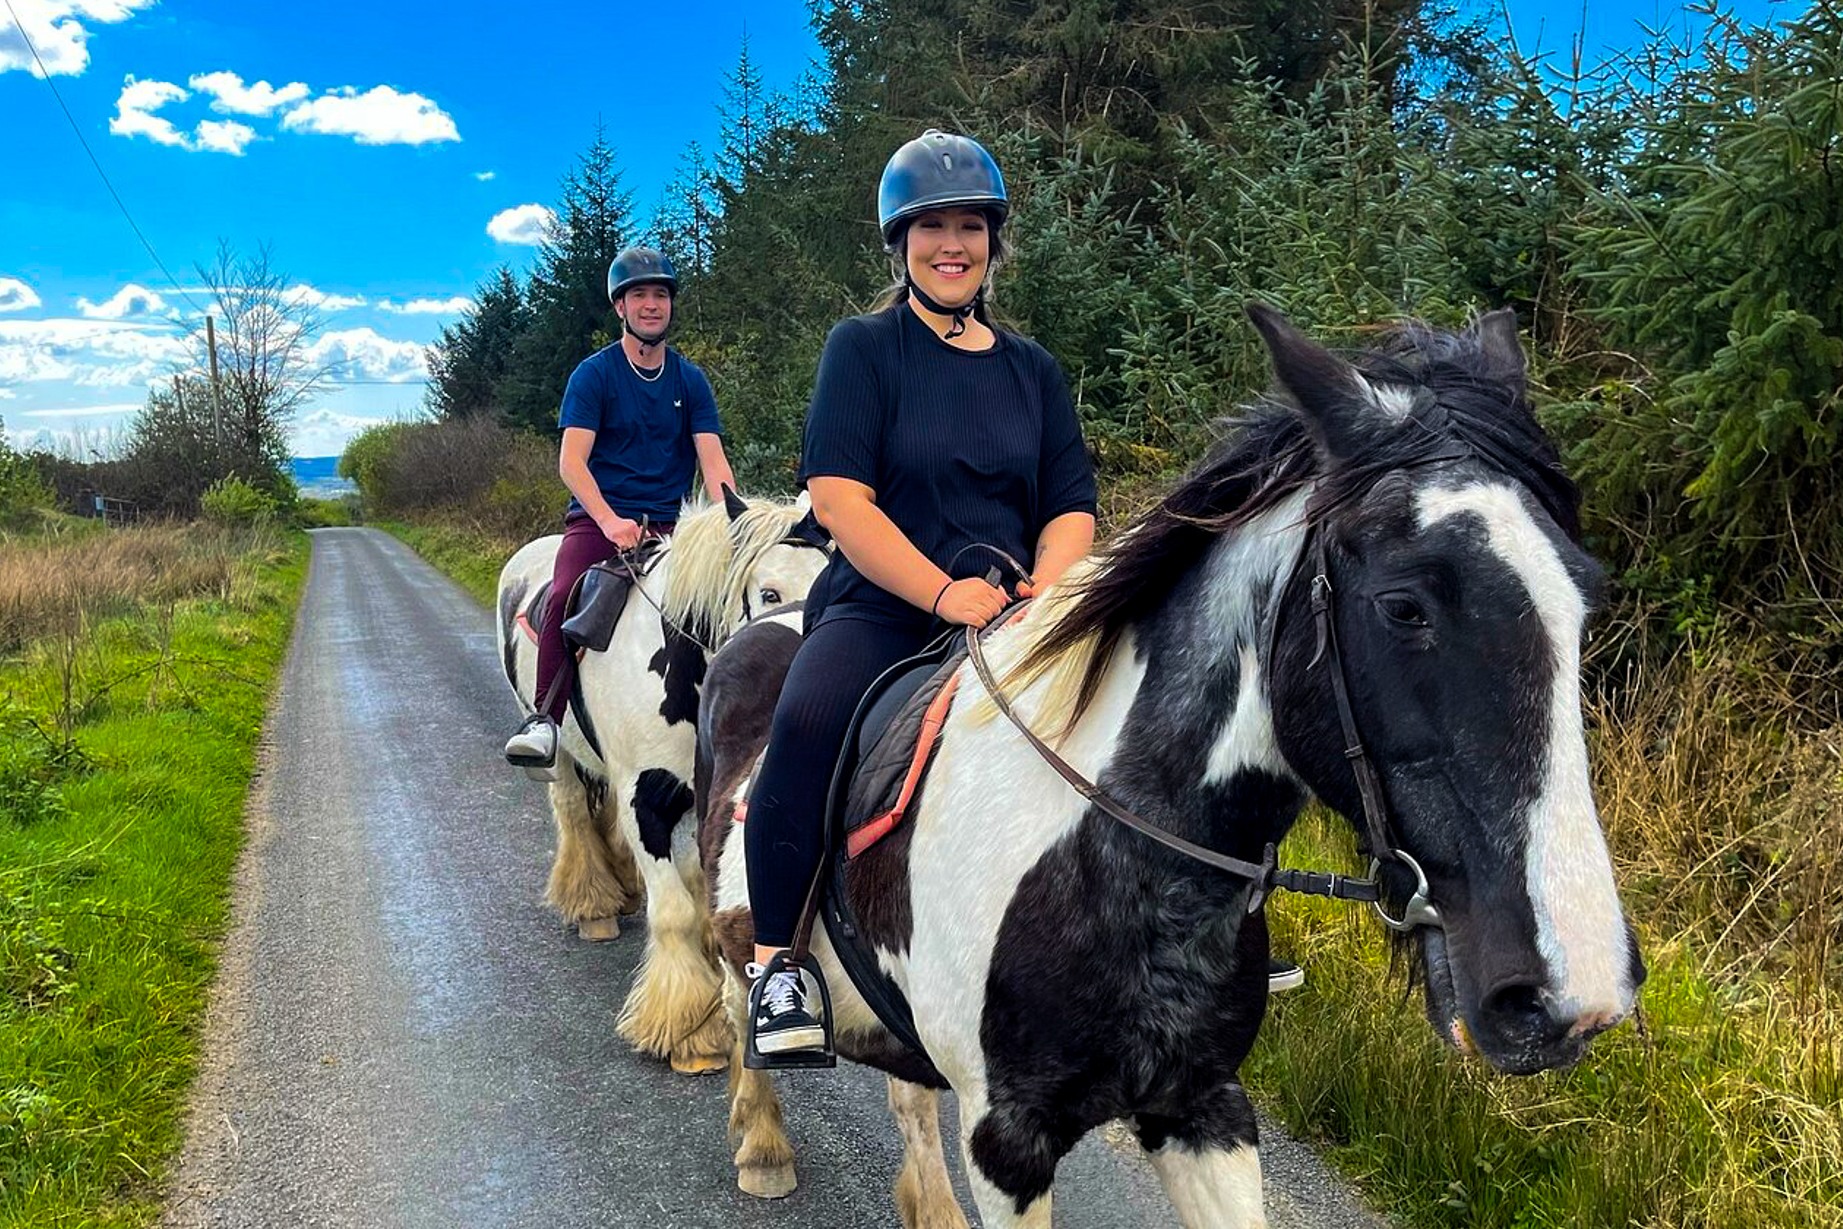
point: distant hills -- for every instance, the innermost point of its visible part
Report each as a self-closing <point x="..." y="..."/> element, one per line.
<point x="318" y="477"/>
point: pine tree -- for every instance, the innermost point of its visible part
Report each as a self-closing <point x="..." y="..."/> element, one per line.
<point x="469" y="361"/>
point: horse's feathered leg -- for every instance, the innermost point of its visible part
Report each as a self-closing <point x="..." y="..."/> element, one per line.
<point x="764" y="1158"/>
<point x="924" y="1194"/>
<point x="1208" y="1162"/>
<point x="674" y="1008"/>
<point x="584" y="886"/>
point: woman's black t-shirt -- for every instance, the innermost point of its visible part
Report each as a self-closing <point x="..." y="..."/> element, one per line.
<point x="961" y="447"/>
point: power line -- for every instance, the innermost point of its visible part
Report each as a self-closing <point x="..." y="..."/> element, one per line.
<point x="83" y="141"/>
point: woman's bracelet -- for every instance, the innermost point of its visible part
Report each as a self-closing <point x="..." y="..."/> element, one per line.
<point x="934" y="608"/>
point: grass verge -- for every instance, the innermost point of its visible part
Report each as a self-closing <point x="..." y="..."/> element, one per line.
<point x="127" y="740"/>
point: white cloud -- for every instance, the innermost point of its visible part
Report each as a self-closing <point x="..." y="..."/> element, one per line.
<point x="223" y="136"/>
<point x="486" y="176"/>
<point x="526" y="224"/>
<point x="57" y="29"/>
<point x="379" y="116"/>
<point x="130" y="300"/>
<point x="326" y="432"/>
<point x="364" y="354"/>
<point x="320" y="299"/>
<point x="428" y="307"/>
<point x="134" y="117"/>
<point x="230" y="96"/>
<point x="16" y="296"/>
<point x="93" y="353"/>
<point x="134" y="111"/>
<point x="83" y="411"/>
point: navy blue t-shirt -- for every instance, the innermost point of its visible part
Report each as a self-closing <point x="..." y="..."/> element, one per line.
<point x="643" y="459"/>
<point x="961" y="447"/>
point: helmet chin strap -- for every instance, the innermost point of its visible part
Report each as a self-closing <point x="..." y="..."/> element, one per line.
<point x="645" y="344"/>
<point x="957" y="314"/>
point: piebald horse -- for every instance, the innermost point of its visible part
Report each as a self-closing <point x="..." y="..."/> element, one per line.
<point x="1382" y="553"/>
<point x="623" y="783"/>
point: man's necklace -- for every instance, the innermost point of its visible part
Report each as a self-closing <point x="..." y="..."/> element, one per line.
<point x="641" y="375"/>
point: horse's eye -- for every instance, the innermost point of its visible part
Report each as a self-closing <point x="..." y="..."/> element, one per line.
<point x="771" y="597"/>
<point x="1402" y="609"/>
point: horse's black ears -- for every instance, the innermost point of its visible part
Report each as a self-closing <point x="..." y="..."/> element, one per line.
<point x="733" y="503"/>
<point x="1333" y="399"/>
<point x="1497" y="341"/>
<point x="808" y="529"/>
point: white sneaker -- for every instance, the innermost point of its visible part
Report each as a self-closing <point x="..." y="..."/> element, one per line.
<point x="534" y="748"/>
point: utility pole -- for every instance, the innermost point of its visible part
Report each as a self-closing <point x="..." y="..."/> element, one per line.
<point x="217" y="395"/>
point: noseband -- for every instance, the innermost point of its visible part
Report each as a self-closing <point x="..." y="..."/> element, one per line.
<point x="1267" y="876"/>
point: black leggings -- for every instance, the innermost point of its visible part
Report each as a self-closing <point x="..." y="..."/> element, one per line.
<point x="836" y="664"/>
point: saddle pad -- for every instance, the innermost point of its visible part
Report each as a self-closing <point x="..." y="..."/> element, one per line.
<point x="893" y="738"/>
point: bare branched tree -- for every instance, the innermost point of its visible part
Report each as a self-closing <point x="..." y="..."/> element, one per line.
<point x="265" y="334"/>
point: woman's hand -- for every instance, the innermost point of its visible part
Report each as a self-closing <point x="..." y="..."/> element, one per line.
<point x="619" y="530"/>
<point x="970" y="601"/>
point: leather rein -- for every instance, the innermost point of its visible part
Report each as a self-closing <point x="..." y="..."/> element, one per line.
<point x="1267" y="875"/>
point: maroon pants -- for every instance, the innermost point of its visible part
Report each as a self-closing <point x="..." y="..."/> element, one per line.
<point x="583" y="547"/>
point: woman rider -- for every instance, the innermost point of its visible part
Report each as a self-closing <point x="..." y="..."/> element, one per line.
<point x="638" y="421"/>
<point x="932" y="436"/>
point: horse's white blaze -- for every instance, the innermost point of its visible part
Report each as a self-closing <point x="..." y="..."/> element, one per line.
<point x="992" y="809"/>
<point x="1580" y="930"/>
<point x="1218" y="1188"/>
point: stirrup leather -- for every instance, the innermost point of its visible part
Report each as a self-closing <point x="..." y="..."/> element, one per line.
<point x="791" y="1060"/>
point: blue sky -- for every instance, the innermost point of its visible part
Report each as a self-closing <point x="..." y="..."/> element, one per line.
<point x="390" y="153"/>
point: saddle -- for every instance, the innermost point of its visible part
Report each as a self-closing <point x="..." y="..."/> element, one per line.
<point x="594" y="605"/>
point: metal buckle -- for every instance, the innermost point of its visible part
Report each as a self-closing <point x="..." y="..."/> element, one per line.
<point x="1419" y="910"/>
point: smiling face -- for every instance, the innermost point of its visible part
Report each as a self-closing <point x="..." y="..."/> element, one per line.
<point x="647" y="311"/>
<point x="948" y="251"/>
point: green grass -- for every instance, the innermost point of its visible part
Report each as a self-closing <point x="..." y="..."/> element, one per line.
<point x="125" y="757"/>
<point x="1724" y="1112"/>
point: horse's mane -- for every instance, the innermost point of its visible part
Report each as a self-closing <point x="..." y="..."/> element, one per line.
<point x="1265" y="454"/>
<point x="711" y="559"/>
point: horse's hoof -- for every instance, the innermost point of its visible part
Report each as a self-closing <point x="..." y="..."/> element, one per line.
<point x="599" y="929"/>
<point x="766" y="1181"/>
<point x="700" y="1064"/>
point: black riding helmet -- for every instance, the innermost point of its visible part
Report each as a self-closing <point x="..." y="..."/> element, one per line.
<point x="637" y="266"/>
<point x="938" y="170"/>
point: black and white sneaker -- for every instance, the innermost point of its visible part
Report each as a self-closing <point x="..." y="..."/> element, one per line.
<point x="534" y="747"/>
<point x="783" y="1020"/>
<point x="1283" y="975"/>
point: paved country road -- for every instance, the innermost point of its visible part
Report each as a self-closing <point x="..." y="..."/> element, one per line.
<point x="403" y="1036"/>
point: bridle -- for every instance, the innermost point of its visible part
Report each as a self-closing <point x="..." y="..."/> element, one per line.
<point x="1267" y="876"/>
<point x="801" y="535"/>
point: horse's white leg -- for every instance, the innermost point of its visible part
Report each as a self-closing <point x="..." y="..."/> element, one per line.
<point x="924" y="1194"/>
<point x="764" y="1158"/>
<point x="1212" y="1187"/>
<point x="620" y="853"/>
<point x="997" y="1210"/>
<point x="674" y="1008"/>
<point x="583" y="885"/>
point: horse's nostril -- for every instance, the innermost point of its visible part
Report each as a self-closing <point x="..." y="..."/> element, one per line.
<point x="1518" y="1006"/>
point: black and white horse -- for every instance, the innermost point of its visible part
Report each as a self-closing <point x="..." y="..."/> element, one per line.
<point x="619" y="795"/>
<point x="1064" y="970"/>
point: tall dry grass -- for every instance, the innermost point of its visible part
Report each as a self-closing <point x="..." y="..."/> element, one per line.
<point x="51" y="585"/>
